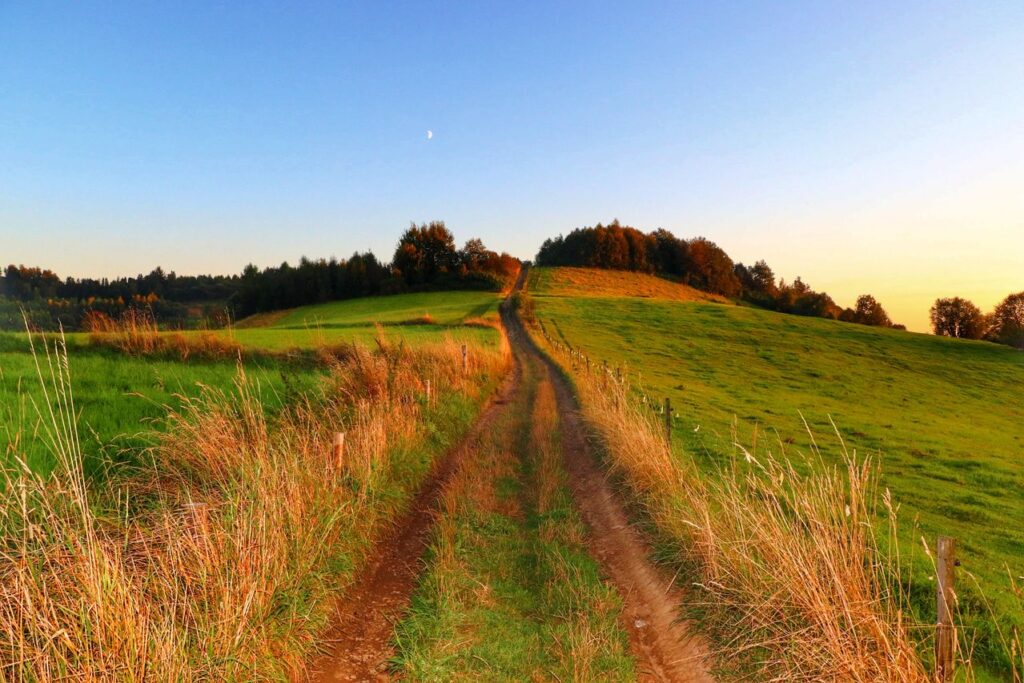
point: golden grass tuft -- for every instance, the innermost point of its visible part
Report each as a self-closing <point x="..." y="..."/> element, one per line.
<point x="491" y="321"/>
<point x="136" y="333"/>
<point x="593" y="282"/>
<point x="423" y="319"/>
<point x="786" y="566"/>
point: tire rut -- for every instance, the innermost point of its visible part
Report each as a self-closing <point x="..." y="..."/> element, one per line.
<point x="664" y="647"/>
<point x="362" y="630"/>
<point x="360" y="637"/>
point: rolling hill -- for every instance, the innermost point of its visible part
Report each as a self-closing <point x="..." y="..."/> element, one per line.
<point x="942" y="416"/>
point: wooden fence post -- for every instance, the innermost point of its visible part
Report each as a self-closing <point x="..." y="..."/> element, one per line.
<point x="339" y="450"/>
<point x="465" y="360"/>
<point x="668" y="421"/>
<point x="428" y="392"/>
<point x="945" y="631"/>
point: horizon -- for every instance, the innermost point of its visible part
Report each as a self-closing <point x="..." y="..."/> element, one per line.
<point x="873" y="149"/>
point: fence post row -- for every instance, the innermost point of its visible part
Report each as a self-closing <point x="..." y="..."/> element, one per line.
<point x="945" y="631"/>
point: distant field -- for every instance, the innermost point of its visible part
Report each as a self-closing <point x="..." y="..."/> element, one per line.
<point x="415" y="318"/>
<point x="944" y="417"/>
<point x="118" y="397"/>
<point x="445" y="308"/>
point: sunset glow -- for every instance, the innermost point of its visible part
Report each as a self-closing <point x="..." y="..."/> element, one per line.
<point x="876" y="149"/>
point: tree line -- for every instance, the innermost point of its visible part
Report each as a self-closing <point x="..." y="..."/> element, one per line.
<point x="958" y="317"/>
<point x="425" y="258"/>
<point x="702" y="264"/>
<point x="48" y="301"/>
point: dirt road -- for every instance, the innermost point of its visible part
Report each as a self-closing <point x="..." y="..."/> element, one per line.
<point x="360" y="636"/>
<point x="659" y="640"/>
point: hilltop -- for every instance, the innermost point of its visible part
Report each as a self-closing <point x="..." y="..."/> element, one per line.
<point x="591" y="282"/>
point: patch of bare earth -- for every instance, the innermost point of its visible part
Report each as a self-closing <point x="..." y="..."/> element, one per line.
<point x="664" y="647"/>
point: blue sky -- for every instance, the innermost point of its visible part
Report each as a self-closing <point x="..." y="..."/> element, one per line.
<point x="864" y="146"/>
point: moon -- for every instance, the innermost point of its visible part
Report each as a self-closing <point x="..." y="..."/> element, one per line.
<point x="430" y="134"/>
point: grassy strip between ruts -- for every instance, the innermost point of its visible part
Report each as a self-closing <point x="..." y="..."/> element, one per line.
<point x="218" y="561"/>
<point x="510" y="592"/>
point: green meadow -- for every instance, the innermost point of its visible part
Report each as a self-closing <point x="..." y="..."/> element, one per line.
<point x="413" y="318"/>
<point x="445" y="308"/>
<point x="120" y="399"/>
<point x="943" y="418"/>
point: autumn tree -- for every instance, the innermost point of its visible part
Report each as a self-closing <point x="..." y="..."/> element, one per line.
<point x="710" y="268"/>
<point x="475" y="255"/>
<point x="956" y="317"/>
<point x="1008" y="321"/>
<point x="762" y="279"/>
<point x="667" y="253"/>
<point x="869" y="312"/>
<point x="424" y="252"/>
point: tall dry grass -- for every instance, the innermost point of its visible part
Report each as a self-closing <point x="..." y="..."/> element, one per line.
<point x="136" y="332"/>
<point x="219" y="559"/>
<point x="787" y="567"/>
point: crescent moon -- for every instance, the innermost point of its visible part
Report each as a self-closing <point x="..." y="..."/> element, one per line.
<point x="430" y="134"/>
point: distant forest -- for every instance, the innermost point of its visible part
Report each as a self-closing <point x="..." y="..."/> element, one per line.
<point x="704" y="265"/>
<point x="426" y="258"/>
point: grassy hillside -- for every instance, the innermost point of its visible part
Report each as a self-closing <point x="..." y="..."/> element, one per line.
<point x="590" y="282"/>
<point x="944" y="417"/>
<point x="247" y="523"/>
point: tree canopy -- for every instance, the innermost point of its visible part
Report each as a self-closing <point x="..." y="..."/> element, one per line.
<point x="1008" y="321"/>
<point x="957" y="317"/>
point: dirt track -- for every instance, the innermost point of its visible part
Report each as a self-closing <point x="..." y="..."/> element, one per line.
<point x="664" y="651"/>
<point x="663" y="648"/>
<point x="360" y="637"/>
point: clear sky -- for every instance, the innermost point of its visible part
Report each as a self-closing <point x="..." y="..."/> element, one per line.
<point x="866" y="146"/>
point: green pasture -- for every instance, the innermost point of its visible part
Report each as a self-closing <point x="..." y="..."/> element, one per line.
<point x="944" y="418"/>
<point x="402" y="317"/>
<point x="118" y="399"/>
<point x="445" y="308"/>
